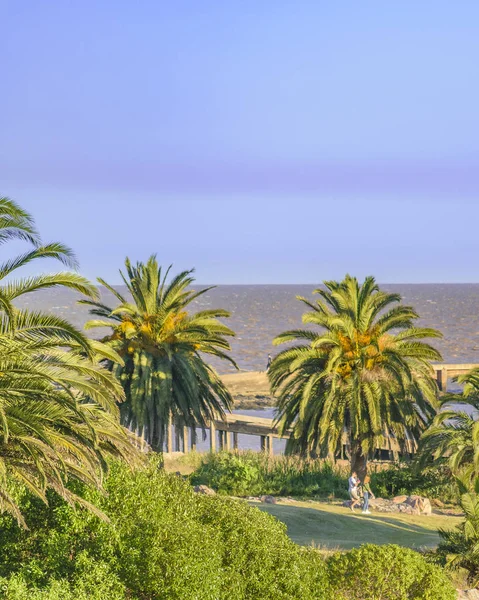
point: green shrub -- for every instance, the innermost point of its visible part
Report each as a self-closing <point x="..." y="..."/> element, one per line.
<point x="163" y="541"/>
<point x="259" y="560"/>
<point x="387" y="572"/>
<point x="156" y="544"/>
<point x="254" y="474"/>
<point x="404" y="478"/>
<point x="92" y="581"/>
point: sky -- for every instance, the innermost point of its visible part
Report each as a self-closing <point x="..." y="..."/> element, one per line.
<point x="259" y="142"/>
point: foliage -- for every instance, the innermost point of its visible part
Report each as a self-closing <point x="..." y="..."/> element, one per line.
<point x="406" y="478"/>
<point x="387" y="572"/>
<point x="92" y="581"/>
<point x="366" y="371"/>
<point x="17" y="224"/>
<point x="254" y="474"/>
<point x="259" y="560"/>
<point x="163" y="541"/>
<point x="459" y="548"/>
<point x="163" y="348"/>
<point x="453" y="437"/>
<point x="58" y="414"/>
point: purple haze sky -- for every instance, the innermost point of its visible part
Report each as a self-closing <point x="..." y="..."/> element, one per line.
<point x="261" y="142"/>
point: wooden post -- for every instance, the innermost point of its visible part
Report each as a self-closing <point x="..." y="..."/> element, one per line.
<point x="263" y="442"/>
<point x="269" y="444"/>
<point x="212" y="437"/>
<point x="227" y="440"/>
<point x="235" y="440"/>
<point x="185" y="440"/>
<point x="221" y="434"/>
<point x="444" y="379"/>
<point x="193" y="440"/>
<point x="177" y="439"/>
<point x="169" y="435"/>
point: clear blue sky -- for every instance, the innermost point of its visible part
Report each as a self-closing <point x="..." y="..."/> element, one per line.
<point x="259" y="141"/>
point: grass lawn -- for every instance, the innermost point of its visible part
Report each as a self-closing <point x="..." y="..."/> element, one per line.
<point x="334" y="527"/>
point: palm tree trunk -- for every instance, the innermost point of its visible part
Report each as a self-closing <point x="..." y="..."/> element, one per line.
<point x="359" y="462"/>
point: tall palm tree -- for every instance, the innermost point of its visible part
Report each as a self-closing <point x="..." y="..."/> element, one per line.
<point x="58" y="405"/>
<point x="366" y="373"/>
<point x="163" y="347"/>
<point x="453" y="436"/>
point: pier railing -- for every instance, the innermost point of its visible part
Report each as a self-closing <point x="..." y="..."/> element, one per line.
<point x="224" y="432"/>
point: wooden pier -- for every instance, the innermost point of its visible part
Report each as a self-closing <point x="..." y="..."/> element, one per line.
<point x="449" y="370"/>
<point x="224" y="432"/>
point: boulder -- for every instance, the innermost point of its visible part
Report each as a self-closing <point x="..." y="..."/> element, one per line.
<point x="204" y="489"/>
<point x="268" y="499"/>
<point x="419" y="505"/>
<point x="409" y="505"/>
<point x="468" y="595"/>
<point x="438" y="503"/>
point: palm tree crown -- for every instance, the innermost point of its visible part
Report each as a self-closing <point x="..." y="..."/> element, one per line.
<point x="163" y="348"/>
<point x="366" y="372"/>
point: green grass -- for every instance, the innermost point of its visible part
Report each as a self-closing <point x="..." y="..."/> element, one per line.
<point x="333" y="527"/>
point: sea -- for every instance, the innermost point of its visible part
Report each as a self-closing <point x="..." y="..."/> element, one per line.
<point x="260" y="312"/>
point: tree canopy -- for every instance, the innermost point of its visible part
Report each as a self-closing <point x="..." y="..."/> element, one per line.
<point x="362" y="370"/>
<point x="164" y="348"/>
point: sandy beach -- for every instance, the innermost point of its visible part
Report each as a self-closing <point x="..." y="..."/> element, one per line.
<point x="250" y="389"/>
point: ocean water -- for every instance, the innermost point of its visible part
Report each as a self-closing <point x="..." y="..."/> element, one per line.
<point x="260" y="312"/>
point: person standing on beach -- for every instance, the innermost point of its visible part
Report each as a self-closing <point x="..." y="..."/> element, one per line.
<point x="270" y="358"/>
<point x="367" y="494"/>
<point x="353" y="483"/>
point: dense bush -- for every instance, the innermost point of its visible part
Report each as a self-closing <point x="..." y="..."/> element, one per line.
<point x="92" y="581"/>
<point x="253" y="474"/>
<point x="387" y="572"/>
<point x="260" y="561"/>
<point x="405" y="478"/>
<point x="163" y="542"/>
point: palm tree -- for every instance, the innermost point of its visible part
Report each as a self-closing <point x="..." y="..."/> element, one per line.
<point x="58" y="405"/>
<point x="453" y="436"/>
<point x="459" y="547"/>
<point x="163" y="347"/>
<point x="58" y="414"/>
<point x="366" y="373"/>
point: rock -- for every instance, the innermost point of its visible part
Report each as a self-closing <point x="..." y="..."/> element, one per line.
<point x="419" y="505"/>
<point x="468" y="595"/>
<point x="204" y="489"/>
<point x="409" y="505"/>
<point x="268" y="499"/>
<point x="438" y="503"/>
